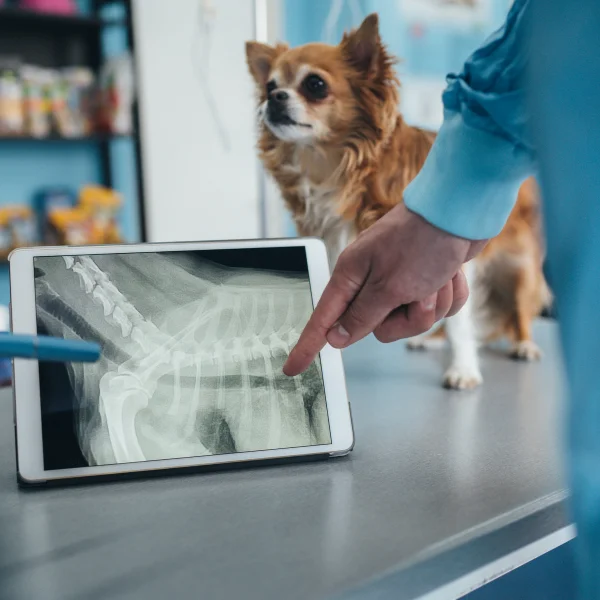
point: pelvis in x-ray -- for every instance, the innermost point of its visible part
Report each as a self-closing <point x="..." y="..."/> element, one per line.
<point x="192" y="356"/>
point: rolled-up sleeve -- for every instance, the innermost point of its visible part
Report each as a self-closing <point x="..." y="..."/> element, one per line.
<point x="483" y="153"/>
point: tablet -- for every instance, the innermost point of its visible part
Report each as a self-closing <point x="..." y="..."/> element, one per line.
<point x="193" y="338"/>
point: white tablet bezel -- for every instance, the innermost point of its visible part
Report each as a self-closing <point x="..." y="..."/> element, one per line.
<point x="26" y="390"/>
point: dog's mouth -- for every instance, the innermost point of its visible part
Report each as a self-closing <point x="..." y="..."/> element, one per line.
<point x="286" y="120"/>
<point x="289" y="122"/>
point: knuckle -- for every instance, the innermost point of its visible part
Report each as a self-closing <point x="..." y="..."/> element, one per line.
<point x="355" y="318"/>
<point x="381" y="285"/>
<point x="347" y="270"/>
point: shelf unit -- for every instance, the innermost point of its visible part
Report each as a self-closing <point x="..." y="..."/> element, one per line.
<point x="95" y="137"/>
<point x="18" y="17"/>
<point x="55" y="41"/>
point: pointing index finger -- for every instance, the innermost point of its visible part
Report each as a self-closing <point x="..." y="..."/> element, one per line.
<point x="337" y="296"/>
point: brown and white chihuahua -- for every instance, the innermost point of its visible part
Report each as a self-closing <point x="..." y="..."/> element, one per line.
<point x="342" y="155"/>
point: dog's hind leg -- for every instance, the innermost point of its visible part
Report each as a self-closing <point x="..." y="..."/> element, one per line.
<point x="528" y="304"/>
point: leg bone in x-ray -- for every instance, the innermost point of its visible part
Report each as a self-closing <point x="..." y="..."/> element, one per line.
<point x="192" y="357"/>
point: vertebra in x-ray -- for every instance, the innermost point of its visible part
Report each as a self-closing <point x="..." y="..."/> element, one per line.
<point x="192" y="355"/>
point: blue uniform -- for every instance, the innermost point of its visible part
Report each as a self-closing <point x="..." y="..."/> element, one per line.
<point x="528" y="103"/>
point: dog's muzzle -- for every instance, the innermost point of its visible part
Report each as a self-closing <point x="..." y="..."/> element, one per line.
<point x="277" y="109"/>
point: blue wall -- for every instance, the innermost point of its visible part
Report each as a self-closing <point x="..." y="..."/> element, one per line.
<point x="430" y="49"/>
<point x="27" y="166"/>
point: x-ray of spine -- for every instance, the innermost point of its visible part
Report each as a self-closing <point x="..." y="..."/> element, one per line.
<point x="192" y="355"/>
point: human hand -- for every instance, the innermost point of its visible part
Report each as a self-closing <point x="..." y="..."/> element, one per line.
<point x="396" y="280"/>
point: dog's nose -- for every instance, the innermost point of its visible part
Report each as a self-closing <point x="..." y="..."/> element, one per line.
<point x="280" y="96"/>
<point x="278" y="106"/>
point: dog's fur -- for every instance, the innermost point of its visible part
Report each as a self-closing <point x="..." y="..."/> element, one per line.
<point x="342" y="157"/>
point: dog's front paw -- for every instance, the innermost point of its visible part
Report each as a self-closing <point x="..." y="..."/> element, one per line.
<point x="462" y="378"/>
<point x="418" y="343"/>
<point x="421" y="343"/>
<point x="526" y="351"/>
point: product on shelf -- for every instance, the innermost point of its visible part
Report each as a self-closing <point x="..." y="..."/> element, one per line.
<point x="64" y="7"/>
<point x="117" y="95"/>
<point x="69" y="103"/>
<point x="70" y="226"/>
<point x="103" y="205"/>
<point x="90" y="219"/>
<point x="61" y="120"/>
<point x="47" y="200"/>
<point x="78" y="88"/>
<point x="35" y="104"/>
<point x="11" y="97"/>
<point x="72" y="101"/>
<point x="17" y="229"/>
<point x="59" y="102"/>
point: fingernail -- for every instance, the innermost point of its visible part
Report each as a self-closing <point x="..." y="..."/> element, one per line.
<point x="428" y="304"/>
<point x="338" y="336"/>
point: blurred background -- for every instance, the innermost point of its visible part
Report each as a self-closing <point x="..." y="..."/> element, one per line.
<point x="134" y="120"/>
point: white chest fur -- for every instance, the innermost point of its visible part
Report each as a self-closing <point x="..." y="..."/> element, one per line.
<point x="321" y="219"/>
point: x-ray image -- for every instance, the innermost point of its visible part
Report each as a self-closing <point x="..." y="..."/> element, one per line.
<point x="193" y="344"/>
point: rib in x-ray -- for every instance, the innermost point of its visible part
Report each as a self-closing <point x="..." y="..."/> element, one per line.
<point x="192" y="356"/>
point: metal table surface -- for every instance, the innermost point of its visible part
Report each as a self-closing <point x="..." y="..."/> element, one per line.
<point x="439" y="485"/>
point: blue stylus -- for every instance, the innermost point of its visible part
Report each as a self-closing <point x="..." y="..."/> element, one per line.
<point x="47" y="348"/>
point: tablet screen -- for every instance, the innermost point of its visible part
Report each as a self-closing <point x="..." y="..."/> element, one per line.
<point x="193" y="344"/>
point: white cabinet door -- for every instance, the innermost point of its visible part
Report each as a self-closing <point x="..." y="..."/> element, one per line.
<point x="197" y="113"/>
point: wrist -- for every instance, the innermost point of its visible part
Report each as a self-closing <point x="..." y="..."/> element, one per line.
<point x="471" y="248"/>
<point x="450" y="250"/>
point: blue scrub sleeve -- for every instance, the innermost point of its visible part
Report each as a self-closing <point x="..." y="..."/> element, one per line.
<point x="483" y="153"/>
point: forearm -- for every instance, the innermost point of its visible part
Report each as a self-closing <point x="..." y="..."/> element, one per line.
<point x="470" y="181"/>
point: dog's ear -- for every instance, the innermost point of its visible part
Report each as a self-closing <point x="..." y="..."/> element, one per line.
<point x="260" y="59"/>
<point x="362" y="48"/>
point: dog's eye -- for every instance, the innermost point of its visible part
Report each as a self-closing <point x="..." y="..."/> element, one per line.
<point x="271" y="86"/>
<point x="315" y="87"/>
